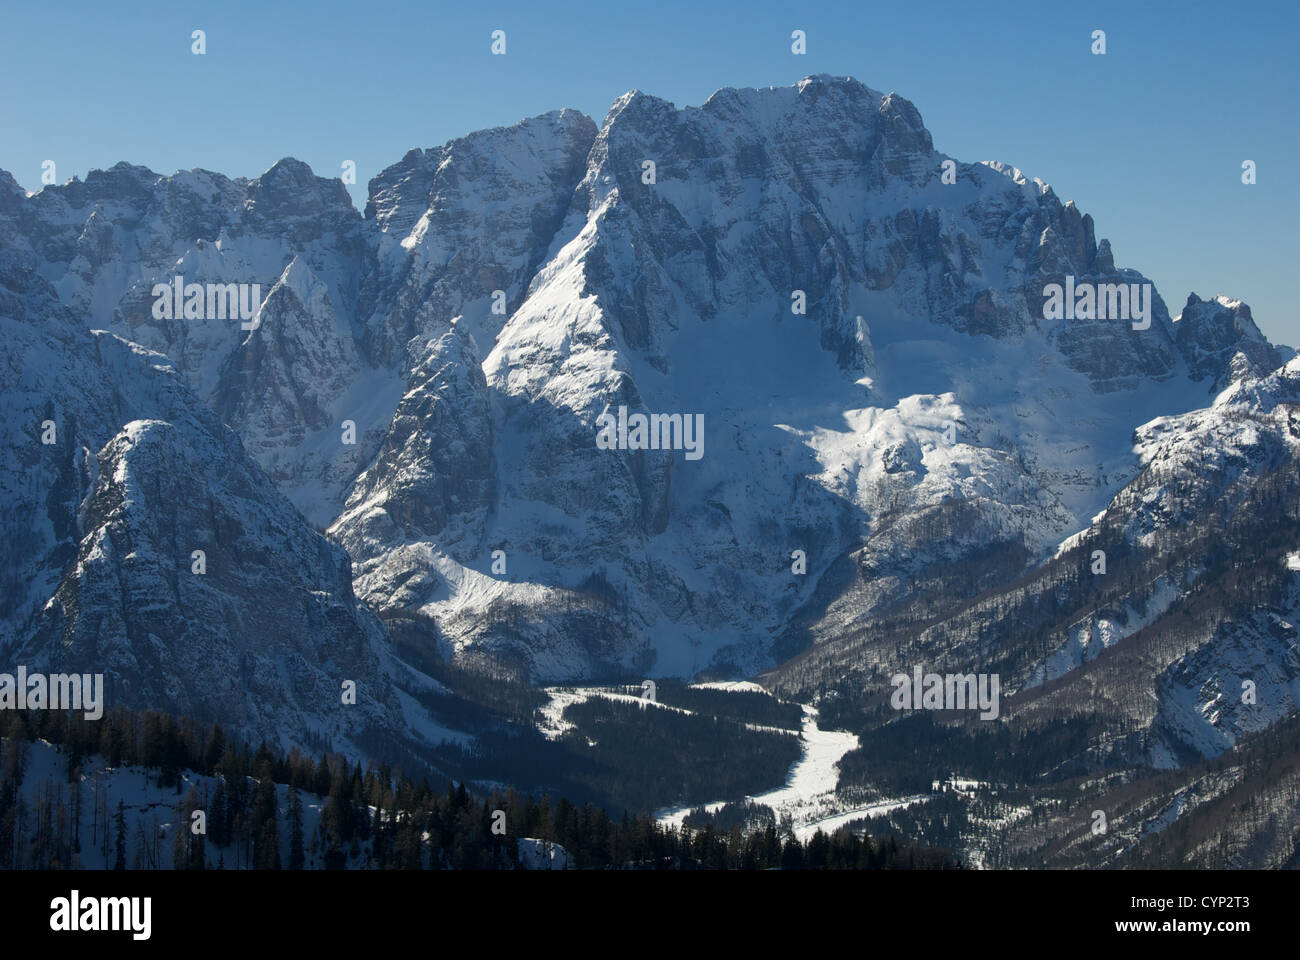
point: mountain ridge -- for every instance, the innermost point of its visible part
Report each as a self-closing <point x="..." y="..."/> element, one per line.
<point x="920" y="418"/>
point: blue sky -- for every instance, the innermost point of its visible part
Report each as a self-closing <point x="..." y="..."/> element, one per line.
<point x="1149" y="138"/>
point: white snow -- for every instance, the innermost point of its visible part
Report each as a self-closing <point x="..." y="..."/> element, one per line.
<point x="808" y="796"/>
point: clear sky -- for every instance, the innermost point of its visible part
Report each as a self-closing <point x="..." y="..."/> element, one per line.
<point x="1148" y="138"/>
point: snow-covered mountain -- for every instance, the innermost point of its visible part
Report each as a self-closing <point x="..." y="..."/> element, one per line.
<point x="891" y="424"/>
<point x="104" y="243"/>
<point x="1168" y="626"/>
<point x="141" y="542"/>
<point x="921" y="405"/>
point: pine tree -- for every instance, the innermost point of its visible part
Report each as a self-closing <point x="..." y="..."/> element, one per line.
<point x="119" y="861"/>
<point x="297" y="859"/>
<point x="268" y="847"/>
<point x="180" y="845"/>
<point x="322" y="779"/>
<point x="218" y="825"/>
<point x="215" y="747"/>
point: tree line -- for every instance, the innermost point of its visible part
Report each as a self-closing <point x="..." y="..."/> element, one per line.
<point x="253" y="806"/>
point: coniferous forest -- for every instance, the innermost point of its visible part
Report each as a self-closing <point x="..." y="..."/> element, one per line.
<point x="267" y="810"/>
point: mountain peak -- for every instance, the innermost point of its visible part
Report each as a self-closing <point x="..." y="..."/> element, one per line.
<point x="639" y="105"/>
<point x="287" y="170"/>
<point x="827" y="80"/>
<point x="1220" y="340"/>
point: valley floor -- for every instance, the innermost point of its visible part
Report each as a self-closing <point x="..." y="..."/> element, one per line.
<point x="808" y="797"/>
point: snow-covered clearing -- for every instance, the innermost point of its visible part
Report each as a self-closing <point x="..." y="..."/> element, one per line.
<point x="808" y="796"/>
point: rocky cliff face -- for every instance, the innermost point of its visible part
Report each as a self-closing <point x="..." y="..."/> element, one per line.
<point x="1168" y="622"/>
<point x="105" y="243"/>
<point x="911" y="413"/>
<point x="858" y="318"/>
<point x="141" y="542"/>
<point x="1222" y="344"/>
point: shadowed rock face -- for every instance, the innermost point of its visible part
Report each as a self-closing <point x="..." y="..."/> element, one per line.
<point x="505" y="289"/>
<point x="675" y="295"/>
<point x="433" y="476"/>
<point x="105" y="243"/>
<point x="1221" y="342"/>
<point x="455" y="223"/>
<point x="100" y="528"/>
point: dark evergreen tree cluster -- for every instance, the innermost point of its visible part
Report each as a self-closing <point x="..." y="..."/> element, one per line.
<point x="647" y="757"/>
<point x="746" y="706"/>
<point x="378" y="818"/>
<point x="907" y="756"/>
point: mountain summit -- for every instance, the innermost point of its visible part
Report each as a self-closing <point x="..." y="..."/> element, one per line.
<point x="890" y="423"/>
